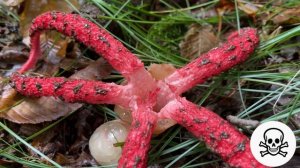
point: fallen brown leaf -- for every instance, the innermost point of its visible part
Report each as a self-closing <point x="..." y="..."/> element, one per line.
<point x="198" y="40"/>
<point x="16" y="53"/>
<point x="248" y="7"/>
<point x="288" y="16"/>
<point x="11" y="2"/>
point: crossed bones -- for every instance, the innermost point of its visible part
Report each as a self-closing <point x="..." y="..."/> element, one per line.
<point x="263" y="153"/>
<point x="148" y="99"/>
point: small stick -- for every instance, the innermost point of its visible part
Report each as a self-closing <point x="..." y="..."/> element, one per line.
<point x="242" y="122"/>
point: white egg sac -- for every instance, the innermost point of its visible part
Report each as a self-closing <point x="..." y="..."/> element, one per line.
<point x="104" y="138"/>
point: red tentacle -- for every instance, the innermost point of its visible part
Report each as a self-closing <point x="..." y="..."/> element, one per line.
<point x="216" y="61"/>
<point x="137" y="143"/>
<point x="70" y="90"/>
<point x="86" y="32"/>
<point x="220" y="136"/>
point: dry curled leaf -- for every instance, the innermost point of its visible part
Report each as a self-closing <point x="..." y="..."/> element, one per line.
<point x="16" y="53"/>
<point x="48" y="108"/>
<point x="83" y="160"/>
<point x="198" y="40"/>
<point x="224" y="5"/>
<point x="68" y="146"/>
<point x="11" y="2"/>
<point x="248" y="7"/>
<point x="8" y="98"/>
<point x="44" y="143"/>
<point x="288" y="16"/>
<point x="161" y="71"/>
<point x="39" y="110"/>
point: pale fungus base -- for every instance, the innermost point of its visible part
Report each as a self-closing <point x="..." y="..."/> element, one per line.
<point x="158" y="72"/>
<point x="104" y="138"/>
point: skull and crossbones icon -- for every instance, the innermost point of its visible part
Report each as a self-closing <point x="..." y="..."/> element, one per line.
<point x="273" y="142"/>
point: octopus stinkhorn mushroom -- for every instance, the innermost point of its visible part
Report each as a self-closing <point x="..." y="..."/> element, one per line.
<point x="147" y="98"/>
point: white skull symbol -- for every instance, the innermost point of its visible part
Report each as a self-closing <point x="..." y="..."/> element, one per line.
<point x="273" y="139"/>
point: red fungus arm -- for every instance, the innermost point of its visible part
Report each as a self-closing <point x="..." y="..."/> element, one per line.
<point x="70" y="90"/>
<point x="221" y="137"/>
<point x="137" y="144"/>
<point x="86" y="32"/>
<point x="217" y="60"/>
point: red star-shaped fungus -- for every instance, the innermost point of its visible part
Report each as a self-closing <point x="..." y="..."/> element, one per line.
<point x="147" y="98"/>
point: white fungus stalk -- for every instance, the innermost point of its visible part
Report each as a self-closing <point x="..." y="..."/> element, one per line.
<point x="104" y="138"/>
